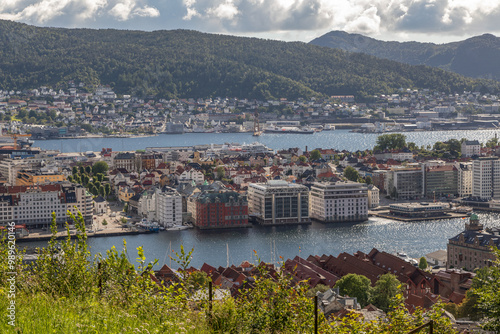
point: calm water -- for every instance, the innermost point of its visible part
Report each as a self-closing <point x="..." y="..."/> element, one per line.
<point x="416" y="239"/>
<point x="339" y="139"/>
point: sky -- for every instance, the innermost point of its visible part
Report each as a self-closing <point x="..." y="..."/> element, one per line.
<point x="437" y="21"/>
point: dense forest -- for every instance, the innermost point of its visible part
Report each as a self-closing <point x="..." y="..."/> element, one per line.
<point x="476" y="57"/>
<point x="184" y="63"/>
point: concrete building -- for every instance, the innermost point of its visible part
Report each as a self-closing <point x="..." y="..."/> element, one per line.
<point x="37" y="177"/>
<point x="471" y="248"/>
<point x="33" y="205"/>
<point x="168" y="207"/>
<point x="470" y="148"/>
<point x="486" y="178"/>
<point x="405" y="183"/>
<point x="339" y="201"/>
<point x="464" y="178"/>
<point x="440" y="181"/>
<point x="279" y="203"/>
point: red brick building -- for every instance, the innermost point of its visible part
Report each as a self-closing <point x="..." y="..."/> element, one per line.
<point x="225" y="209"/>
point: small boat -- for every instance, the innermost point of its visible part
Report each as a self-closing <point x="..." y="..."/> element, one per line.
<point x="177" y="227"/>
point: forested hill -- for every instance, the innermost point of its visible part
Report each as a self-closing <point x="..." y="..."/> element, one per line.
<point x="475" y="57"/>
<point x="184" y="63"/>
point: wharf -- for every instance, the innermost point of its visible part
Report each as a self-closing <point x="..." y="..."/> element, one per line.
<point x="386" y="214"/>
<point x="40" y="236"/>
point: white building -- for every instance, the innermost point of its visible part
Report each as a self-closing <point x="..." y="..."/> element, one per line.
<point x="470" y="148"/>
<point x="33" y="205"/>
<point x="168" y="207"/>
<point x="373" y="196"/>
<point x="486" y="178"/>
<point x="100" y="205"/>
<point x="191" y="175"/>
<point x="278" y="203"/>
<point x="339" y="201"/>
<point x="464" y="178"/>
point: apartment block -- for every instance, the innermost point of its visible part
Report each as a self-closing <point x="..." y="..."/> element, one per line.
<point x="486" y="178"/>
<point x="339" y="201"/>
<point x="278" y="202"/>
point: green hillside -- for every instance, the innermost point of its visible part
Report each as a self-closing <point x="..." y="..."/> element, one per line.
<point x="184" y="63"/>
<point x="475" y="57"/>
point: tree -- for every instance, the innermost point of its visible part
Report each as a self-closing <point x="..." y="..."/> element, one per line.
<point x="302" y="158"/>
<point x="104" y="222"/>
<point x="385" y="290"/>
<point x="220" y="172"/>
<point x="493" y="142"/>
<point x="88" y="170"/>
<point x="82" y="170"/>
<point x="100" y="167"/>
<point x="487" y="286"/>
<point x="354" y="285"/>
<point x="351" y="173"/>
<point x="107" y="189"/>
<point x="315" y="155"/>
<point x="74" y="170"/>
<point x="368" y="179"/>
<point x="391" y="141"/>
<point x="422" y="264"/>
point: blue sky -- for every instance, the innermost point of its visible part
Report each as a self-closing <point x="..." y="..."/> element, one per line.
<point x="290" y="20"/>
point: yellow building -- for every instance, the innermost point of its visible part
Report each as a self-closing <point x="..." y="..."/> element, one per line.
<point x="33" y="177"/>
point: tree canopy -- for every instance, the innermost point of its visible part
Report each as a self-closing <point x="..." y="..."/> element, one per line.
<point x="354" y="285"/>
<point x="393" y="141"/>
<point x="100" y="167"/>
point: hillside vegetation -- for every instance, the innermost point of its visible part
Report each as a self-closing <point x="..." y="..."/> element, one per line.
<point x="184" y="64"/>
<point x="69" y="291"/>
<point x="476" y="57"/>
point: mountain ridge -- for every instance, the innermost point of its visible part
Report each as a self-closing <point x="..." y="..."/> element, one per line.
<point x="475" y="57"/>
<point x="187" y="63"/>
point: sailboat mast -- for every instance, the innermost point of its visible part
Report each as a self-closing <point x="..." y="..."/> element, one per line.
<point x="227" y="253"/>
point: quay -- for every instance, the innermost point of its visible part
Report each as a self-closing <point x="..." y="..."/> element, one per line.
<point x="46" y="236"/>
<point x="387" y="215"/>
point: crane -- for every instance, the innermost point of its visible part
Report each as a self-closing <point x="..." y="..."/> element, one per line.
<point x="15" y="136"/>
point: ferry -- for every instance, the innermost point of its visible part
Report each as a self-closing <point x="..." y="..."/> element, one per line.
<point x="288" y="129"/>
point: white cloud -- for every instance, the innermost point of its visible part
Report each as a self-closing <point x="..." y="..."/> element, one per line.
<point x="226" y="11"/>
<point x="73" y="11"/>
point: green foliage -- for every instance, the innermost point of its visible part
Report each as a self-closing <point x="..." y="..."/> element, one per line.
<point x="351" y="173"/>
<point x="302" y="158"/>
<point x="368" y="179"/>
<point x="182" y="63"/>
<point x="422" y="263"/>
<point x="487" y="287"/>
<point x="493" y="142"/>
<point x="315" y="155"/>
<point x="385" y="290"/>
<point x="393" y="141"/>
<point x="100" y="167"/>
<point x="354" y="285"/>
<point x="318" y="288"/>
<point x="183" y="259"/>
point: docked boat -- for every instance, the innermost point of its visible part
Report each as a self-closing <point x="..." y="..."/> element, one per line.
<point x="289" y="129"/>
<point x="175" y="227"/>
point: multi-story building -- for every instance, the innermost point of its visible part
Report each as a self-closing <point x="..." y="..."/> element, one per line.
<point x="471" y="148"/>
<point x="151" y="160"/>
<point x="373" y="196"/>
<point x="471" y="248"/>
<point x="339" y="201"/>
<point x="125" y="160"/>
<point x="464" y="178"/>
<point x="279" y="203"/>
<point x="223" y="209"/>
<point x="440" y="181"/>
<point x="405" y="183"/>
<point x="33" y="205"/>
<point x="36" y="177"/>
<point x="168" y="207"/>
<point x="486" y="178"/>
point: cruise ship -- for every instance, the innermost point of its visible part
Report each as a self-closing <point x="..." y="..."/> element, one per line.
<point x="288" y="129"/>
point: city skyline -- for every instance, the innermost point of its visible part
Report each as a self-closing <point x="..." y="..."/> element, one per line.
<point x="436" y="21"/>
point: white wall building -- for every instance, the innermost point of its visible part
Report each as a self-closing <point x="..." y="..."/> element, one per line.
<point x="192" y="175"/>
<point x="470" y="148"/>
<point x="373" y="196"/>
<point x="168" y="207"/>
<point x="486" y="178"/>
<point x="339" y="201"/>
